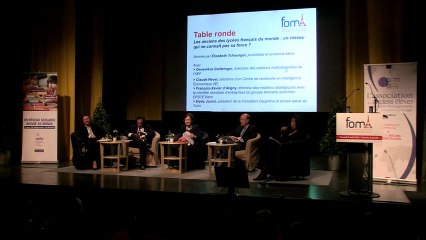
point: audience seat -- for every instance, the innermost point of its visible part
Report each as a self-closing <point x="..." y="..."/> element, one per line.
<point x="251" y="154"/>
<point x="152" y="160"/>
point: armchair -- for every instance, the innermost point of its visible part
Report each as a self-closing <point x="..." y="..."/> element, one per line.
<point x="294" y="159"/>
<point x="251" y="154"/>
<point x="152" y="159"/>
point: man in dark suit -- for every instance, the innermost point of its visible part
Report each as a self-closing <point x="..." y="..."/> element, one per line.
<point x="142" y="136"/>
<point x="243" y="132"/>
<point x="87" y="135"/>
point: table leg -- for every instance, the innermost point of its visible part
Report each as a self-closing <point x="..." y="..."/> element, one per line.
<point x="180" y="158"/>
<point x="209" y="158"/>
<point x="229" y="155"/>
<point x="185" y="157"/>
<point x="102" y="155"/>
<point x="126" y="153"/>
<point x="118" y="157"/>
<point x="162" y="156"/>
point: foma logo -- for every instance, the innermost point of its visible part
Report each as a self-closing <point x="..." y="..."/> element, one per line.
<point x="358" y="124"/>
<point x="293" y="23"/>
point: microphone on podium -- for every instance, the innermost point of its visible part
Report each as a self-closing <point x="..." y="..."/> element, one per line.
<point x="350" y="94"/>
<point x="344" y="100"/>
<point x="374" y="96"/>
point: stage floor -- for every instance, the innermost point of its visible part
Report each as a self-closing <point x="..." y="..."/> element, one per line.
<point x="321" y="185"/>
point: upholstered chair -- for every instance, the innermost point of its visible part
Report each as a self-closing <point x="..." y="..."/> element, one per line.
<point x="251" y="154"/>
<point x="294" y="160"/>
<point x="152" y="160"/>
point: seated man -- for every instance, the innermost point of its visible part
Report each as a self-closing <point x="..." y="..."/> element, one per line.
<point x="142" y="136"/>
<point x="86" y="138"/>
<point x="243" y="132"/>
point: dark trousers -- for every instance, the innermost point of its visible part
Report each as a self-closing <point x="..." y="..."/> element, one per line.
<point x="194" y="159"/>
<point x="143" y="150"/>
<point x="90" y="152"/>
<point x="269" y="158"/>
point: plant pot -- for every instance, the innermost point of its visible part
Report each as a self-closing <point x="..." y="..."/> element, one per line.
<point x="334" y="163"/>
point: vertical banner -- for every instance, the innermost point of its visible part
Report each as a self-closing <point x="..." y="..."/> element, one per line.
<point x="40" y="118"/>
<point x="391" y="90"/>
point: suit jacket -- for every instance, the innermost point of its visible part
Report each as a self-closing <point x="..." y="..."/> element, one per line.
<point x="251" y="132"/>
<point x="150" y="133"/>
<point x="83" y="134"/>
<point x="91" y="146"/>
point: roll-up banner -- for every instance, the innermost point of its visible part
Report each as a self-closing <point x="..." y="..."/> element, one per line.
<point x="391" y="90"/>
<point x="40" y="118"/>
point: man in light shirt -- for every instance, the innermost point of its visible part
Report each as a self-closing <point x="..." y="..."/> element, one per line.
<point x="243" y="132"/>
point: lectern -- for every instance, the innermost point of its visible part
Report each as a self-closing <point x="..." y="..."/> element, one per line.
<point x="360" y="131"/>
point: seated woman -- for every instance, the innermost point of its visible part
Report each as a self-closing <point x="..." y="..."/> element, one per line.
<point x="192" y="135"/>
<point x="276" y="149"/>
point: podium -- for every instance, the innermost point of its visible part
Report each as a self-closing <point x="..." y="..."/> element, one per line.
<point x="360" y="131"/>
<point x="359" y="180"/>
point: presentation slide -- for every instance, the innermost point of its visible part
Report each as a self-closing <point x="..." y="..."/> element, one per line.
<point x="263" y="61"/>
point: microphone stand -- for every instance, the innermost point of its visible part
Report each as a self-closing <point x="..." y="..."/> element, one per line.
<point x="376" y="102"/>
<point x="345" y="100"/>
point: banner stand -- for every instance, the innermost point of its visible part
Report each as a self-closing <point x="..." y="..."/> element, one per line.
<point x="359" y="180"/>
<point x="391" y="90"/>
<point x="40" y="118"/>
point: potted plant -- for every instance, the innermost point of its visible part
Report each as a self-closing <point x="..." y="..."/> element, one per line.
<point x="170" y="136"/>
<point x="115" y="135"/>
<point x="328" y="144"/>
<point x="101" y="118"/>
